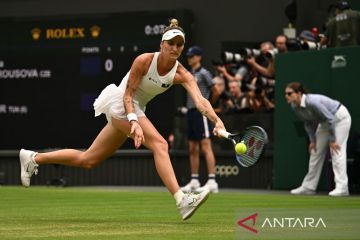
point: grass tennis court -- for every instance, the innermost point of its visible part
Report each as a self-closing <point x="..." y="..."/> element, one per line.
<point x="118" y="213"/>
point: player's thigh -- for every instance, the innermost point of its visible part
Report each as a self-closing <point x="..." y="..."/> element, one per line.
<point x="153" y="139"/>
<point x="106" y="143"/>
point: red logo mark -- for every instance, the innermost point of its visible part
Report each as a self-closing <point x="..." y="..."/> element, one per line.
<point x="242" y="221"/>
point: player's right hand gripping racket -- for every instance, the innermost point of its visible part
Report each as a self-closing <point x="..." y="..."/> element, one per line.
<point x="255" y="139"/>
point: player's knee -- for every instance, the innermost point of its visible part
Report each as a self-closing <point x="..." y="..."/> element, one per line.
<point x="87" y="162"/>
<point x="89" y="165"/>
<point x="164" y="146"/>
<point x="161" y="145"/>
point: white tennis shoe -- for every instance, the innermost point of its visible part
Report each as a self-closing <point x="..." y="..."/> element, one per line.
<point x="191" y="186"/>
<point x="28" y="166"/>
<point x="190" y="203"/>
<point x="339" y="192"/>
<point x="210" y="185"/>
<point x="302" y="191"/>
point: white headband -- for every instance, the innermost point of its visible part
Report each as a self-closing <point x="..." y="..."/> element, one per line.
<point x="172" y="33"/>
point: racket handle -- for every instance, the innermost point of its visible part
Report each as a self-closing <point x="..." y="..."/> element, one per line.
<point x="224" y="133"/>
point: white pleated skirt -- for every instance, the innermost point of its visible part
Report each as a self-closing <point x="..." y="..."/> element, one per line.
<point x="110" y="102"/>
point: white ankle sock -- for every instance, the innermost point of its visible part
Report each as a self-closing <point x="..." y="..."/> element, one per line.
<point x="211" y="178"/>
<point x="178" y="196"/>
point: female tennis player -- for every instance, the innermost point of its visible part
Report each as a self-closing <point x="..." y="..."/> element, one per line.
<point x="124" y="107"/>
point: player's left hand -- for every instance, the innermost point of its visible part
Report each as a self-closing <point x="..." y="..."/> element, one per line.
<point x="137" y="133"/>
<point x="334" y="147"/>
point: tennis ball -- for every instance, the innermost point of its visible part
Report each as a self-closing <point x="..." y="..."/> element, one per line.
<point x="240" y="148"/>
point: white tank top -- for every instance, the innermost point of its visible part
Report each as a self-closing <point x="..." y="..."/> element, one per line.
<point x="151" y="84"/>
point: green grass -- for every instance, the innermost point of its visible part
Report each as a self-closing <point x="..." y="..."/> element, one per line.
<point x="96" y="213"/>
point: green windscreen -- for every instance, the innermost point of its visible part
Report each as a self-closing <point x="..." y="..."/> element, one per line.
<point x="332" y="72"/>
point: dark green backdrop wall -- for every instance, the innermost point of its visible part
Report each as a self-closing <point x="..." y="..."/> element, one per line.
<point x="332" y="72"/>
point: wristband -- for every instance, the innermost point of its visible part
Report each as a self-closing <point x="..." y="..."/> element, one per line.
<point x="132" y="117"/>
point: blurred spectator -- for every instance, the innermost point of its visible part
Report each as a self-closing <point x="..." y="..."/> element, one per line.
<point x="230" y="73"/>
<point x="307" y="36"/>
<point x="220" y="99"/>
<point x="265" y="68"/>
<point x="306" y="40"/>
<point x="280" y="43"/>
<point x="263" y="65"/>
<point x="315" y="32"/>
<point x="258" y="101"/>
<point x="344" y="28"/>
<point x="309" y="41"/>
<point x="238" y="98"/>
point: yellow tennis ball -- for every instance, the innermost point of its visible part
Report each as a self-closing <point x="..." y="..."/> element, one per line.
<point x="240" y="148"/>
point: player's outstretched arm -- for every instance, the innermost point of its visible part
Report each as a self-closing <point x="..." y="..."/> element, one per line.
<point x="186" y="79"/>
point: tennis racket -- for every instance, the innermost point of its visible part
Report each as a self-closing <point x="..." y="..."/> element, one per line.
<point x="255" y="138"/>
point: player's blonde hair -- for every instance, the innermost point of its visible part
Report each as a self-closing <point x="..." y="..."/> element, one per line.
<point x="173" y="24"/>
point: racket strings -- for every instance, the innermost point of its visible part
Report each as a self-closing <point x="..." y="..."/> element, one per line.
<point x="255" y="141"/>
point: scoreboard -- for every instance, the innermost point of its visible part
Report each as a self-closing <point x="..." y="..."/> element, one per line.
<point x="53" y="68"/>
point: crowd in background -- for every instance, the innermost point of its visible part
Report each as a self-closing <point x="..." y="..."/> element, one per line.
<point x="245" y="80"/>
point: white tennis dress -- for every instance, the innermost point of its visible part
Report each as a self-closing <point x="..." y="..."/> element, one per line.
<point x="111" y="102"/>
